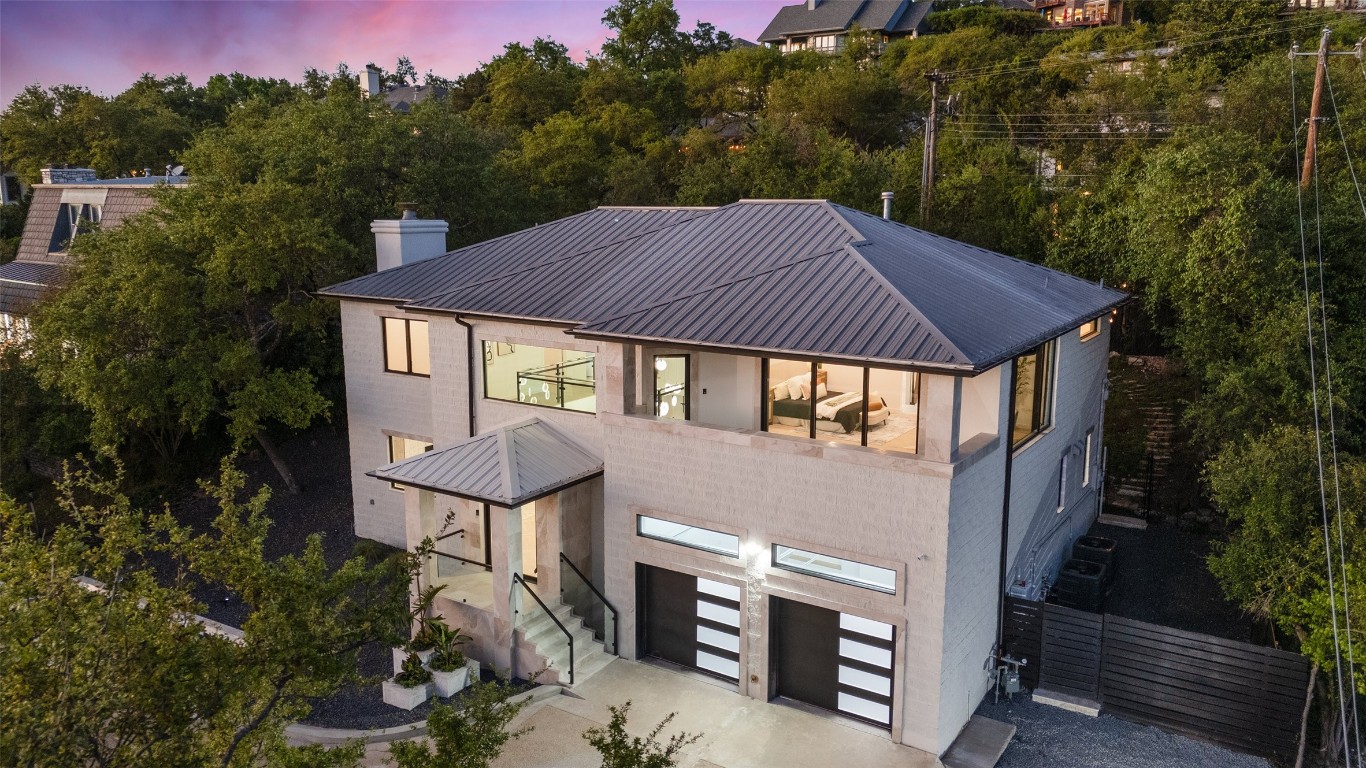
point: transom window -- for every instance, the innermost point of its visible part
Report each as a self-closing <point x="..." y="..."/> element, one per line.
<point x="1090" y="330"/>
<point x="406" y="348"/>
<point x="688" y="535"/>
<point x="544" y="376"/>
<point x="1033" y="394"/>
<point x="834" y="568"/>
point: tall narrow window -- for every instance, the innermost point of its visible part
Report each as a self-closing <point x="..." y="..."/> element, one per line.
<point x="671" y="387"/>
<point x="406" y="348"/>
<point x="1033" y="394"/>
<point x="1087" y="458"/>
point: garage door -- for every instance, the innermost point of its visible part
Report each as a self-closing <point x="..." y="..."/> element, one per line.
<point x="832" y="660"/>
<point x="690" y="621"/>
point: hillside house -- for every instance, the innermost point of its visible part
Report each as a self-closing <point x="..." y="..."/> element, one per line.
<point x="785" y="444"/>
<point x="824" y="25"/>
<point x="63" y="206"/>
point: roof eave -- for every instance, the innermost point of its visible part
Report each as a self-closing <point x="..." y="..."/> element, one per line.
<point x="512" y="503"/>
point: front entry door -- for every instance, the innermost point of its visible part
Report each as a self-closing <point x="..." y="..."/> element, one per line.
<point x="690" y="621"/>
<point x="832" y="660"/>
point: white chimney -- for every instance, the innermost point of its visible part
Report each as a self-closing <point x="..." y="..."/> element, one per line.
<point x="407" y="240"/>
<point x="371" y="80"/>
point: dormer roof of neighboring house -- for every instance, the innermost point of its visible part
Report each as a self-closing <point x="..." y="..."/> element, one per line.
<point x="888" y="16"/>
<point x="38" y="265"/>
<point x="784" y="277"/>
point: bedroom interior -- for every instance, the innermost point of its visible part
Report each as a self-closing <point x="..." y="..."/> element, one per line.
<point x="839" y="403"/>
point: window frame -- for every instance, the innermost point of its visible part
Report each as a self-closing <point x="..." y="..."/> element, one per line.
<point x="687" y="382"/>
<point x="774" y="559"/>
<point x="765" y="386"/>
<point x="1094" y="330"/>
<point x="1088" y="456"/>
<point x="407" y="345"/>
<point x="1044" y="366"/>
<point x="641" y="517"/>
<point x="391" y="438"/>
<point x="488" y="349"/>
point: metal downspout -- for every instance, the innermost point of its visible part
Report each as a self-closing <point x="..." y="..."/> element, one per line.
<point x="1005" y="514"/>
<point x="469" y="369"/>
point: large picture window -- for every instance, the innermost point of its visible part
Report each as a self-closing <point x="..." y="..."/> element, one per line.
<point x="1033" y="394"/>
<point x="545" y="376"/>
<point x="874" y="407"/>
<point x="405" y="346"/>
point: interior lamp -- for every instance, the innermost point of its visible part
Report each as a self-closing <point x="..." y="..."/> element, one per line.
<point x="661" y="364"/>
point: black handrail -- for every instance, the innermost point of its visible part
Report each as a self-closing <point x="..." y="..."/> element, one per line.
<point x="600" y="595"/>
<point x="517" y="578"/>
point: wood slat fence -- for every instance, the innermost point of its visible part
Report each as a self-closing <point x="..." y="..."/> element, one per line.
<point x="1237" y="694"/>
<point x="1024" y="636"/>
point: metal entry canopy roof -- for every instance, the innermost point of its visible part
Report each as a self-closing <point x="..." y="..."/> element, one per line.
<point x="507" y="466"/>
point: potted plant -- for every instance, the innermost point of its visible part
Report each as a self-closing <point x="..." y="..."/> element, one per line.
<point x="449" y="673"/>
<point x="424" y="642"/>
<point x="410" y="687"/>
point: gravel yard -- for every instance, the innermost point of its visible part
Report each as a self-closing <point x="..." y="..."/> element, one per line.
<point x="1049" y="737"/>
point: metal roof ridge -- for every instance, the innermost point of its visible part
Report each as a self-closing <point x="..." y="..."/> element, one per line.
<point x="566" y="436"/>
<point x="709" y="288"/>
<point x="507" y="462"/>
<point x="852" y="249"/>
<point x="833" y="209"/>
<point x="656" y="208"/>
<point x="533" y="267"/>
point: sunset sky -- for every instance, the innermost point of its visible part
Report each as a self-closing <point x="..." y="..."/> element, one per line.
<point x="106" y="45"/>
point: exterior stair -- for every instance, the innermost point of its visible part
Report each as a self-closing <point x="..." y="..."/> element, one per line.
<point x="1130" y="492"/>
<point x="542" y="638"/>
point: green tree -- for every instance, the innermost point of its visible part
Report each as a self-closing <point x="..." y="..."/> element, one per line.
<point x="469" y="736"/>
<point x="115" y="672"/>
<point x="621" y="750"/>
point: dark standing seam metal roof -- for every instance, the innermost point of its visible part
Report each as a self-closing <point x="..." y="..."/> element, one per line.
<point x="899" y="16"/>
<point x="775" y="276"/>
<point x="507" y="466"/>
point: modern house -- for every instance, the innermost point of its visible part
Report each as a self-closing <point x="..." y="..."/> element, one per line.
<point x="1081" y="13"/>
<point x="824" y="25"/>
<point x="64" y="205"/>
<point x="798" y="449"/>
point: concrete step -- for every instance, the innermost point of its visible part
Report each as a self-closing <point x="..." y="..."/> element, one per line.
<point x="541" y="630"/>
<point x="588" y="661"/>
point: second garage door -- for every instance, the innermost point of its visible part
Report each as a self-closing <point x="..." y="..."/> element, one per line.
<point x="832" y="660"/>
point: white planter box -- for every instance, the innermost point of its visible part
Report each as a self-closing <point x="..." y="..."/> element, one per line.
<point x="404" y="697"/>
<point x="401" y="656"/>
<point x="447" y="684"/>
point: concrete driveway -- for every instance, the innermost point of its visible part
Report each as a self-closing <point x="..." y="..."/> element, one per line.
<point x="736" y="732"/>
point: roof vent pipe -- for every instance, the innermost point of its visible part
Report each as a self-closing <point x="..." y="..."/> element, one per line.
<point x="811" y="4"/>
<point x="887" y="205"/>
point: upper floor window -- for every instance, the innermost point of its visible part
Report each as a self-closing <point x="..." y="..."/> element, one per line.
<point x="671" y="386"/>
<point x="406" y="348"/>
<point x="73" y="219"/>
<point x="547" y="376"/>
<point x="828" y="43"/>
<point x="1090" y="330"/>
<point x="1033" y="394"/>
<point x="875" y="407"/>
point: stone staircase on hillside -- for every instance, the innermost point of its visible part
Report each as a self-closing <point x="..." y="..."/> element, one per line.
<point x="541" y="643"/>
<point x="1130" y="492"/>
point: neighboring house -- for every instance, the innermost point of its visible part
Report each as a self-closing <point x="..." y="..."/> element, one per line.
<point x="62" y="206"/>
<point x="12" y="189"/>
<point x="1081" y="13"/>
<point x="400" y="98"/>
<point x="1338" y="5"/>
<point x="777" y="435"/>
<point x="823" y="25"/>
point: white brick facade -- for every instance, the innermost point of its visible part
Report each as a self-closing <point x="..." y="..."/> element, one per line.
<point x="935" y="518"/>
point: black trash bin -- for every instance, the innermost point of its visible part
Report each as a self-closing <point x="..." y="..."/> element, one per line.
<point x="1081" y="585"/>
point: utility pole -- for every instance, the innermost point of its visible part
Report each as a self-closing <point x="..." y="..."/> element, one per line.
<point x="931" y="140"/>
<point x="1311" y="139"/>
